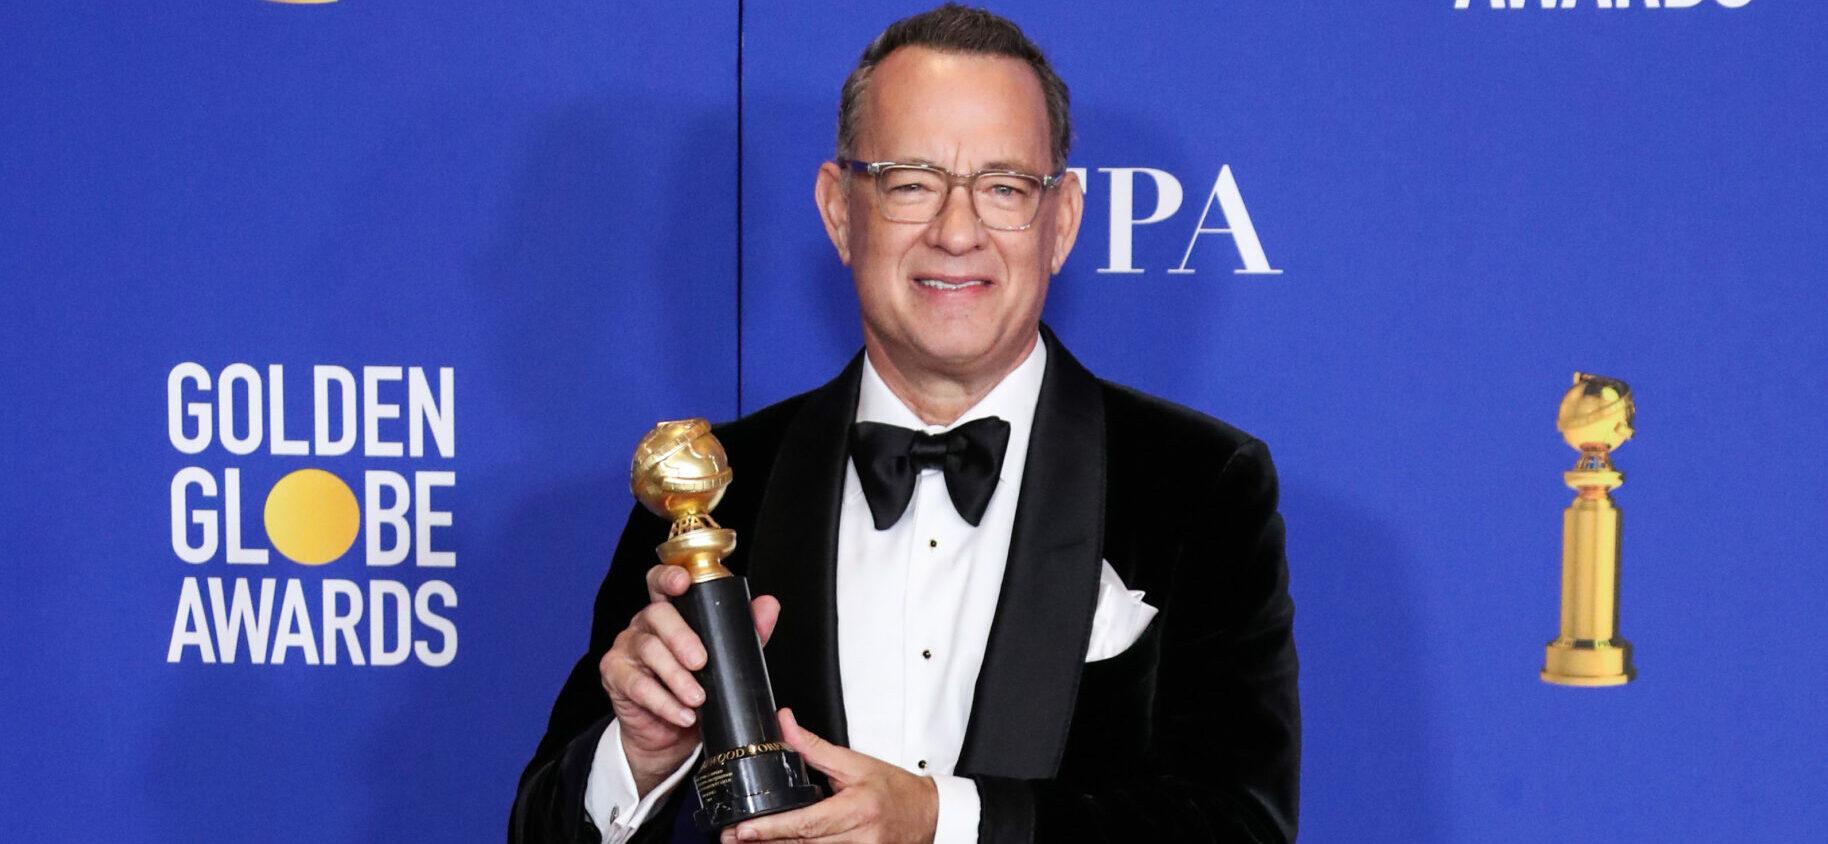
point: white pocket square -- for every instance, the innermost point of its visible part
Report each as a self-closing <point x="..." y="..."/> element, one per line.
<point x="1120" y="618"/>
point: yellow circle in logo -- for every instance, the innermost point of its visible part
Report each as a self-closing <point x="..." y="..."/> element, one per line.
<point x="312" y="517"/>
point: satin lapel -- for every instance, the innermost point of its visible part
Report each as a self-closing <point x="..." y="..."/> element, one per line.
<point x="1030" y="677"/>
<point x="794" y="555"/>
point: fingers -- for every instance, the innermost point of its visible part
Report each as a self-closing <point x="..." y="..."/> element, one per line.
<point x="872" y="800"/>
<point x="800" y="738"/>
<point x="651" y="663"/>
<point x="767" y="611"/>
<point x="649" y="694"/>
<point x="842" y="764"/>
<point x="629" y="679"/>
<point x="650" y="666"/>
<point x="831" y="816"/>
<point x="664" y="622"/>
<point x="606" y="666"/>
<point x="659" y="660"/>
<point x="664" y="581"/>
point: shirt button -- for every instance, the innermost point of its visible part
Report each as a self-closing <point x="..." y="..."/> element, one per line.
<point x="926" y="654"/>
<point x="932" y="543"/>
<point x="922" y="763"/>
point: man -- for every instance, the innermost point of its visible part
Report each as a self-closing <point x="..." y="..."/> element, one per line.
<point x="1003" y="600"/>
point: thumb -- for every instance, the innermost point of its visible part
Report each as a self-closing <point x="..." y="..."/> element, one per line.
<point x="840" y="764"/>
<point x="767" y="611"/>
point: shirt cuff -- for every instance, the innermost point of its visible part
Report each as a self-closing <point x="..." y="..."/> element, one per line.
<point x="959" y="807"/>
<point x="610" y="796"/>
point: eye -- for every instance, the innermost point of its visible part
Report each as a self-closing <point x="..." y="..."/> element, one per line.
<point x="910" y="183"/>
<point x="1006" y="188"/>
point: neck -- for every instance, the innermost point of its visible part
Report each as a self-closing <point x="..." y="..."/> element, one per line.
<point x="937" y="396"/>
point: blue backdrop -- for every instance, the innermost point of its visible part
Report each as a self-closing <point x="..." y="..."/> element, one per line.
<point x="1453" y="209"/>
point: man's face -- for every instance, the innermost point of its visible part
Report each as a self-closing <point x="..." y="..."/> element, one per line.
<point x="952" y="297"/>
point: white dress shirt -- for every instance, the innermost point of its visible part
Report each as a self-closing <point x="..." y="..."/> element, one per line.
<point x="915" y="605"/>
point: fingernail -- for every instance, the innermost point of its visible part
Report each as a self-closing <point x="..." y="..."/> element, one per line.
<point x="686" y="717"/>
<point x="747" y="834"/>
<point x="697" y="696"/>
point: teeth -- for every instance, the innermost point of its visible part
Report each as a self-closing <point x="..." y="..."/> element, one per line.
<point x="936" y="284"/>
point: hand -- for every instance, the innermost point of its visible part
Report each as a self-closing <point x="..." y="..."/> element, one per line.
<point x="647" y="673"/>
<point x="872" y="800"/>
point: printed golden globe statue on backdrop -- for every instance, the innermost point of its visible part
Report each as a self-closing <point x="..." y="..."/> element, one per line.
<point x="1596" y="417"/>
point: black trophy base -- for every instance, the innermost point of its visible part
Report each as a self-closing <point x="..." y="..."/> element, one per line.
<point x="736" y="790"/>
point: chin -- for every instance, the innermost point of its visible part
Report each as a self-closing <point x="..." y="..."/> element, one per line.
<point x="959" y="347"/>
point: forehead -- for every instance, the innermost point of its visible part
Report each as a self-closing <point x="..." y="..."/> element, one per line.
<point x="959" y="110"/>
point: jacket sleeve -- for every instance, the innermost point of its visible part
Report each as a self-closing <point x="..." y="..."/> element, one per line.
<point x="1223" y="761"/>
<point x="549" y="804"/>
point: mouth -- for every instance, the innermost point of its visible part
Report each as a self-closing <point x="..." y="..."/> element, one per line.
<point x="950" y="284"/>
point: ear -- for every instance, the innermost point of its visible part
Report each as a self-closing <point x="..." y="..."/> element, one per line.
<point x="831" y="193"/>
<point x="1068" y="213"/>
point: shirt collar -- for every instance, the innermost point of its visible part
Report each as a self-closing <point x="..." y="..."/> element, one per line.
<point x="1012" y="400"/>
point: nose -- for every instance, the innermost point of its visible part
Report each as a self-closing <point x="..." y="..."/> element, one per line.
<point x="956" y="230"/>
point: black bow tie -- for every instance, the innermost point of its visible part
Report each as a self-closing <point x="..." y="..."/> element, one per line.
<point x="888" y="459"/>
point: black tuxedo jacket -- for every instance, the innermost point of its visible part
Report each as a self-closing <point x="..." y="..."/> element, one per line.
<point x="1192" y="734"/>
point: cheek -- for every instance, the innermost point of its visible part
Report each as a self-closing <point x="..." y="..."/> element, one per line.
<point x="1024" y="257"/>
<point x="875" y="267"/>
<point x="877" y="248"/>
<point x="1046" y="240"/>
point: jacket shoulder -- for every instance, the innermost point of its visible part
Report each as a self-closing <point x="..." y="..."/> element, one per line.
<point x="752" y="443"/>
<point x="763" y="429"/>
<point x="1190" y="439"/>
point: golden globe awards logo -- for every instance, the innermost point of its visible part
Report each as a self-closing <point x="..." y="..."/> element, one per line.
<point x="243" y="604"/>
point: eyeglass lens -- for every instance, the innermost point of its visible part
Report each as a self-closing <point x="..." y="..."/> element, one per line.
<point x="916" y="195"/>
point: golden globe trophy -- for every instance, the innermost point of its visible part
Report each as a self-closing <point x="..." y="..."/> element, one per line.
<point x="680" y="472"/>
<point x="1595" y="418"/>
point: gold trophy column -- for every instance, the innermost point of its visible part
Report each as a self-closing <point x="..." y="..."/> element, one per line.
<point x="1596" y="417"/>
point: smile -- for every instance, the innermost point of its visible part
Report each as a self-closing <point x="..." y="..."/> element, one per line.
<point x="942" y="284"/>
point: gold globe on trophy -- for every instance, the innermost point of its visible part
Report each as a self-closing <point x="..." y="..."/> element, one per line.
<point x="1595" y="418"/>
<point x="680" y="472"/>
